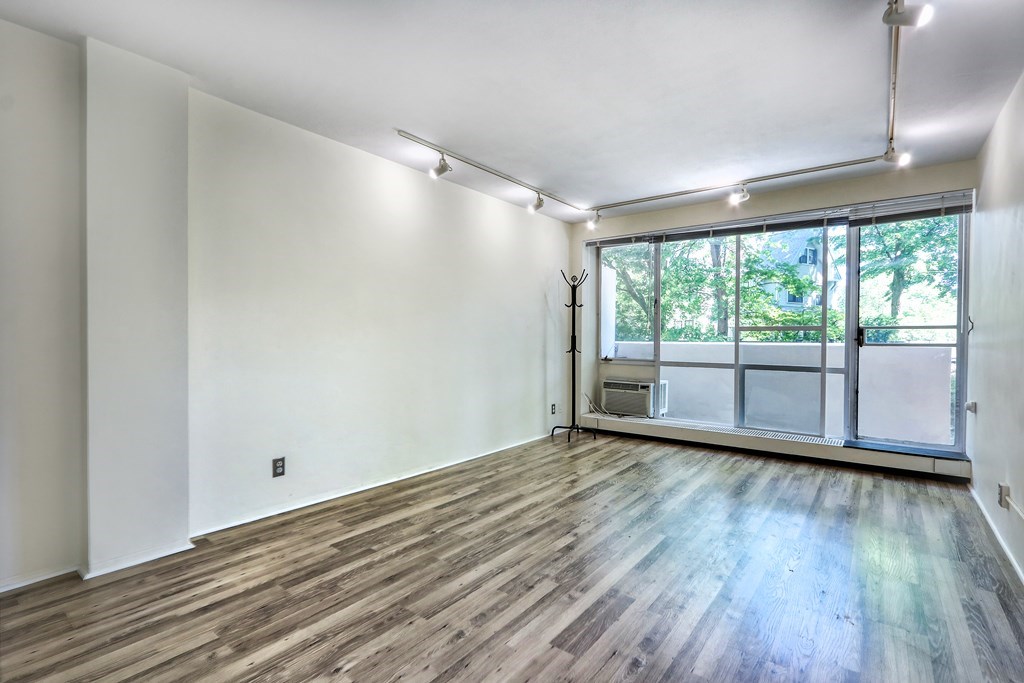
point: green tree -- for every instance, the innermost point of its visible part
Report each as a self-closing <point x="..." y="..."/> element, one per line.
<point x="634" y="290"/>
<point x="908" y="253"/>
<point x="696" y="287"/>
<point x="697" y="283"/>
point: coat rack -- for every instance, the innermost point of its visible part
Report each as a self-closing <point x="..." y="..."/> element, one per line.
<point x="574" y="284"/>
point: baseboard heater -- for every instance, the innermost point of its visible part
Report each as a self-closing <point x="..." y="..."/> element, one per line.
<point x="781" y="443"/>
<point x="635" y="397"/>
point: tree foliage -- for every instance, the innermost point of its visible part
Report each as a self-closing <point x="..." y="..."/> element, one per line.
<point x="698" y="281"/>
<point x="697" y="289"/>
<point x="908" y="253"/>
<point x="918" y="255"/>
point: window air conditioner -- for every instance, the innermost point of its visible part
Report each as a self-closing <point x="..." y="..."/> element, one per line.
<point x="634" y="397"/>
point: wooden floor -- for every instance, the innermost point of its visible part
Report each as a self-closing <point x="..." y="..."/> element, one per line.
<point x="607" y="560"/>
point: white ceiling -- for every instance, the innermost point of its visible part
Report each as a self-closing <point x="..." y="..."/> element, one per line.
<point x="595" y="100"/>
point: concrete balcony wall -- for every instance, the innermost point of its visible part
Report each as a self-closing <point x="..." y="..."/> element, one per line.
<point x="905" y="391"/>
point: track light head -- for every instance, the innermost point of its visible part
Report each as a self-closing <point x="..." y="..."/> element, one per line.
<point x="442" y="167"/>
<point x="536" y="205"/>
<point x="594" y="220"/>
<point x="739" y="196"/>
<point x="900" y="159"/>
<point x="897" y="14"/>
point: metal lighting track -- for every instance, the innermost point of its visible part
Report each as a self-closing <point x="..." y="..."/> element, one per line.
<point x="748" y="181"/>
<point x="486" y="169"/>
<point x="888" y="156"/>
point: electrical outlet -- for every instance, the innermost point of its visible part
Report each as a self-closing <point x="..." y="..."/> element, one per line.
<point x="278" y="467"/>
<point x="1004" y="496"/>
<point x="552" y="408"/>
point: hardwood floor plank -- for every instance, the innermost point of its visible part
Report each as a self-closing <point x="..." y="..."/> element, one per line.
<point x="611" y="560"/>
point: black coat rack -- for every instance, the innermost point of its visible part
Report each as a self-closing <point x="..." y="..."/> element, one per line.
<point x="574" y="284"/>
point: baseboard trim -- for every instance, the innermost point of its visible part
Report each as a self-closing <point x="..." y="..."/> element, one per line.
<point x="995" y="532"/>
<point x="787" y="445"/>
<point x="126" y="561"/>
<point x="341" y="493"/>
<point x="16" y="582"/>
<point x="135" y="559"/>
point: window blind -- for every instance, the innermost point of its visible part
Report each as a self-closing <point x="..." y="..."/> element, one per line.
<point x="856" y="215"/>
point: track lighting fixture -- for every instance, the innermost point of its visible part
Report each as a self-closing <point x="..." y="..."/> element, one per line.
<point x="536" y="205"/>
<point x="899" y="14"/>
<point x="739" y="196"/>
<point x="892" y="157"/>
<point x="442" y="167"/>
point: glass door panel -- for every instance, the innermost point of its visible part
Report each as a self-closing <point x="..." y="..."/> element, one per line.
<point x="907" y="332"/>
<point x="698" y="304"/>
<point x="627" y="302"/>
<point x="909" y="273"/>
<point x="698" y="281"/>
<point x="906" y="394"/>
<point x="780" y="283"/>
<point x="835" y="352"/>
<point x="784" y="283"/>
<point x="780" y="381"/>
<point x="699" y="394"/>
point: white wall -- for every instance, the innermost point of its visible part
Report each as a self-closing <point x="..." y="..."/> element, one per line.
<point x="354" y="316"/>
<point x="136" y="306"/>
<point x="41" y="410"/>
<point x="995" y="436"/>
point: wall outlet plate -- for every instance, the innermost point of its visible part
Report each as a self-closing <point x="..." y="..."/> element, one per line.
<point x="552" y="408"/>
<point x="278" y="467"/>
<point x="1004" y="495"/>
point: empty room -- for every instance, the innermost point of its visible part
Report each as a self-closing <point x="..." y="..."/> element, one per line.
<point x="369" y="341"/>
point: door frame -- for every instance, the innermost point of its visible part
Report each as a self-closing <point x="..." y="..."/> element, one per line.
<point x="853" y="345"/>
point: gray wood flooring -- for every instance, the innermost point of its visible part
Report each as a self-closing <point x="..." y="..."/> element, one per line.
<point x="607" y="560"/>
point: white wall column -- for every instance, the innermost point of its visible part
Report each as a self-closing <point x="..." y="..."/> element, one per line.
<point x="41" y="385"/>
<point x="136" y="308"/>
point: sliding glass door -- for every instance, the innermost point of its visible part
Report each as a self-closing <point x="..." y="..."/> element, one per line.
<point x="697" y="304"/>
<point x="791" y="360"/>
<point x="842" y="327"/>
<point x="780" y="372"/>
<point x="908" y="331"/>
